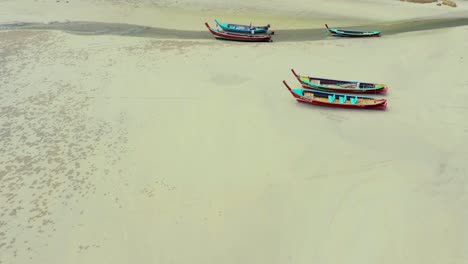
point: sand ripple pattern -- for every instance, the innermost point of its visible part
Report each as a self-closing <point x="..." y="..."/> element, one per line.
<point x="48" y="140"/>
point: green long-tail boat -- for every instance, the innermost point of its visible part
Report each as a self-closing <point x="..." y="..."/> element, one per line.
<point x="331" y="85"/>
<point x="352" y="33"/>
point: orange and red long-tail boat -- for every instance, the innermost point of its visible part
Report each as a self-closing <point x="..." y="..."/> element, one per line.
<point x="335" y="100"/>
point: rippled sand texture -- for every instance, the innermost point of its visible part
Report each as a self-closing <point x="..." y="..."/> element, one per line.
<point x="54" y="149"/>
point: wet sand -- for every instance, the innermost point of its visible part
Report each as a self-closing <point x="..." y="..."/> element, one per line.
<point x="126" y="142"/>
<point x="96" y="28"/>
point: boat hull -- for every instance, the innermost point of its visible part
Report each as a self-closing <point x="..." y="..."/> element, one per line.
<point x="379" y="104"/>
<point x="382" y="106"/>
<point x="380" y="91"/>
<point x="351" y="33"/>
<point x="363" y="87"/>
<point x="238" y="36"/>
<point x="246" y="29"/>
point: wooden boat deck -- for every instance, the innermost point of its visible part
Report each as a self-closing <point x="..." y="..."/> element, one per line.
<point x="342" y="85"/>
<point x="361" y="101"/>
<point x="331" y="85"/>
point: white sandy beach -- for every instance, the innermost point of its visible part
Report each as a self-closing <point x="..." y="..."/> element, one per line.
<point x="120" y="149"/>
<point x="189" y="14"/>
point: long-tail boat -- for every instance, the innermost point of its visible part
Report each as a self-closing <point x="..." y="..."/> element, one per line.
<point x="335" y="100"/>
<point x="330" y="85"/>
<point x="352" y="33"/>
<point x="238" y="36"/>
<point x="252" y="29"/>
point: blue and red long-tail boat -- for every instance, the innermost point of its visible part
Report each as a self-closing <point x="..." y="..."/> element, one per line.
<point x="238" y="36"/>
<point x="247" y="29"/>
<point x="335" y="100"/>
